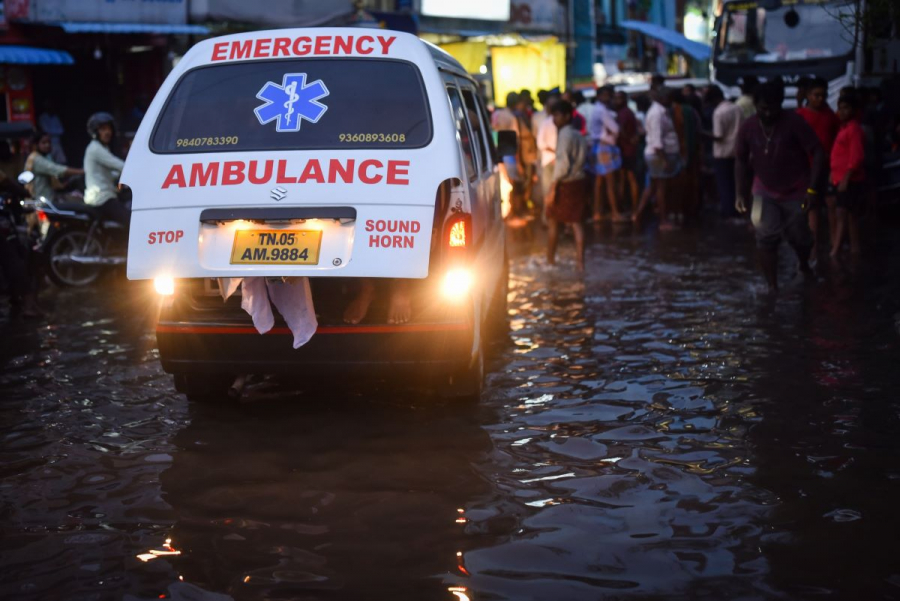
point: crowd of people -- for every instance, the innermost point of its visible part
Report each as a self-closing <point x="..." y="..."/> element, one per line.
<point x="800" y="174"/>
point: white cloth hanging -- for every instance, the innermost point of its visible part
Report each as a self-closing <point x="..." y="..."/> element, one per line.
<point x="292" y="298"/>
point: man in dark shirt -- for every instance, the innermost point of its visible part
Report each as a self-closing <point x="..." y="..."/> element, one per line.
<point x="773" y="159"/>
<point x="628" y="143"/>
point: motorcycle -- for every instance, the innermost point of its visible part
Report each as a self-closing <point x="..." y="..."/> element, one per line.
<point x="78" y="244"/>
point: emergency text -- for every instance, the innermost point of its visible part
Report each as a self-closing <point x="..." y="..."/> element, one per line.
<point x="302" y="46"/>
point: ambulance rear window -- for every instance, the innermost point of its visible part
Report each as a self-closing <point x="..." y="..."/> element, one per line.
<point x="298" y="104"/>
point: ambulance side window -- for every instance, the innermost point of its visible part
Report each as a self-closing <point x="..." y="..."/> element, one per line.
<point x="485" y="118"/>
<point x="478" y="130"/>
<point x="459" y="117"/>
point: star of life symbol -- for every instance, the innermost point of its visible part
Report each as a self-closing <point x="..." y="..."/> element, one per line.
<point x="291" y="102"/>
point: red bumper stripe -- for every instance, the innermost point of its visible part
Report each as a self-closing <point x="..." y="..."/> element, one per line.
<point x="385" y="329"/>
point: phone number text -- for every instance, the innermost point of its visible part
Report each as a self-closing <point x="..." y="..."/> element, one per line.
<point x="400" y="138"/>
<point x="212" y="141"/>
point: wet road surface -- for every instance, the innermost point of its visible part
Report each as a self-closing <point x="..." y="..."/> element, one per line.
<point x="655" y="430"/>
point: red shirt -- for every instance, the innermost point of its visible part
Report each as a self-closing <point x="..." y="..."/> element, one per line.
<point x="579" y="123"/>
<point x="848" y="153"/>
<point x="825" y="123"/>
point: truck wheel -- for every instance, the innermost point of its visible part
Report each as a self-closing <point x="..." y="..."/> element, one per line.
<point x="204" y="388"/>
<point x="60" y="269"/>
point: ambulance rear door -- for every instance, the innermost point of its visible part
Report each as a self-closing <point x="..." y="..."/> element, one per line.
<point x="322" y="159"/>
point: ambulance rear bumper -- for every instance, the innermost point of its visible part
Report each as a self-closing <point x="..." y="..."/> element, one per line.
<point x="425" y="349"/>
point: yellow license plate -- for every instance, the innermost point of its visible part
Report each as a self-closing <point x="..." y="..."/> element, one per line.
<point x="276" y="247"/>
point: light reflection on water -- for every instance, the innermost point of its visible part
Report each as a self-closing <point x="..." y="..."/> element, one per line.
<point x="655" y="430"/>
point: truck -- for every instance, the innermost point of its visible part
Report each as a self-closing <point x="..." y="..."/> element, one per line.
<point x="799" y="38"/>
<point x="792" y="39"/>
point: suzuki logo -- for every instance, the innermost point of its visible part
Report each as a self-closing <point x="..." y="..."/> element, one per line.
<point x="278" y="193"/>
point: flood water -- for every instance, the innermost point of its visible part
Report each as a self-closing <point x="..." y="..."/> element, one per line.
<point x="657" y="429"/>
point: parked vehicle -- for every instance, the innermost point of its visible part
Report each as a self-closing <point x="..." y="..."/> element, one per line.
<point x="790" y="39"/>
<point x="798" y="38"/>
<point x="337" y="154"/>
<point x="76" y="243"/>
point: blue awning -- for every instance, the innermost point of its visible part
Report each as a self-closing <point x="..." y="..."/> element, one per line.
<point x="697" y="50"/>
<point x="26" y="55"/>
<point x="72" y="27"/>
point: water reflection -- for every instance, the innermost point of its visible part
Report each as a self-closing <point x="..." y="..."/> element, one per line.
<point x="282" y="501"/>
<point x="620" y="443"/>
<point x="654" y="430"/>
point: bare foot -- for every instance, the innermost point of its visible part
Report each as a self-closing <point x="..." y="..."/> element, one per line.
<point x="400" y="309"/>
<point x="359" y="306"/>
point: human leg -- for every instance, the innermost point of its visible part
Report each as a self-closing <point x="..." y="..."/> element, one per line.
<point x="725" y="186"/>
<point x="839" y="228"/>
<point x="796" y="231"/>
<point x="114" y="210"/>
<point x="400" y="306"/>
<point x="599" y="187"/>
<point x="630" y="180"/>
<point x="649" y="191"/>
<point x="831" y="214"/>
<point x="552" y="239"/>
<point x="661" y="191"/>
<point x="768" y="225"/>
<point x="578" y="231"/>
<point x="768" y="263"/>
<point x="813" y="221"/>
<point x="359" y="306"/>
<point x="612" y="193"/>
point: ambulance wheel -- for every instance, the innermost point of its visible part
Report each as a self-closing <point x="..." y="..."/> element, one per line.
<point x="466" y="385"/>
<point x="204" y="388"/>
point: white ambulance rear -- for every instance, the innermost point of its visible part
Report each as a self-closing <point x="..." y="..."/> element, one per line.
<point x="335" y="154"/>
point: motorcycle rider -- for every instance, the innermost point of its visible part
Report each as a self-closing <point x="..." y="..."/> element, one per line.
<point x="46" y="171"/>
<point x="102" y="169"/>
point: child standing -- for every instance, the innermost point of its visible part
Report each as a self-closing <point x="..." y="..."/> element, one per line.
<point x="848" y="174"/>
<point x="825" y="123"/>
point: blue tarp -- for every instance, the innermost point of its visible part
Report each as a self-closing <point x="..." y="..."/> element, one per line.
<point x="72" y="27"/>
<point x="25" y="55"/>
<point x="697" y="50"/>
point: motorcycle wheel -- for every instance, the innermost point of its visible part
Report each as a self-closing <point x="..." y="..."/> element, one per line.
<point x="61" y="270"/>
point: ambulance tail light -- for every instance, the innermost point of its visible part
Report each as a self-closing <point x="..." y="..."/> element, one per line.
<point x="457" y="237"/>
<point x="457" y="283"/>
<point x="458" y="277"/>
<point x="164" y="286"/>
<point x="458" y="234"/>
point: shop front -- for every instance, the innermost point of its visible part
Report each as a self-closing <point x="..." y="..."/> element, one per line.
<point x="518" y="48"/>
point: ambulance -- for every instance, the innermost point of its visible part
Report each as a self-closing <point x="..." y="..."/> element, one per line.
<point x="346" y="156"/>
